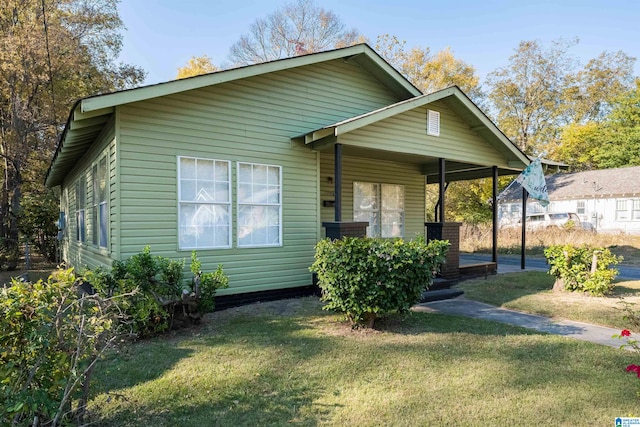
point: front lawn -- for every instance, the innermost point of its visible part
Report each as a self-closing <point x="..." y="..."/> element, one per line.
<point x="288" y="362"/>
<point x="531" y="292"/>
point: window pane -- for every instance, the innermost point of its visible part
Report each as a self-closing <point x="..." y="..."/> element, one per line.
<point x="274" y="176"/>
<point x="103" y="224"/>
<point x="393" y="197"/>
<point x="188" y="190"/>
<point x="206" y="191"/>
<point x="94" y="225"/>
<point x="260" y="174"/>
<point x="222" y="171"/>
<point x="188" y="168"/>
<point x="102" y="179"/>
<point x="244" y="173"/>
<point x="204" y="169"/>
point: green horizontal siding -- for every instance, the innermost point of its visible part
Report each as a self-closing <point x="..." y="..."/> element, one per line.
<point x="355" y="169"/>
<point x="406" y="132"/>
<point x="250" y="120"/>
<point x="81" y="255"/>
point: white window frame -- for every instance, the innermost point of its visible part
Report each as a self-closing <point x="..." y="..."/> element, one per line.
<point x="581" y="207"/>
<point x="204" y="203"/>
<point x="242" y="228"/>
<point x="81" y="219"/>
<point x="100" y="205"/>
<point x="622" y="210"/>
<point x="372" y="212"/>
<point x="378" y="210"/>
<point x="386" y="209"/>
<point x="635" y="210"/>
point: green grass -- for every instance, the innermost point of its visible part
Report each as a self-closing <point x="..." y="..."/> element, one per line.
<point x="289" y="363"/>
<point x="531" y="292"/>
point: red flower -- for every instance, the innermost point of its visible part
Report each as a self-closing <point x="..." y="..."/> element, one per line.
<point x="625" y="333"/>
<point x="633" y="368"/>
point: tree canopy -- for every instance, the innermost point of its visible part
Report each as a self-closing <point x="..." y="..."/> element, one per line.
<point x="613" y="141"/>
<point x="50" y="55"/>
<point x="295" y="29"/>
<point x="429" y="72"/>
<point x="196" y="66"/>
<point x="543" y="89"/>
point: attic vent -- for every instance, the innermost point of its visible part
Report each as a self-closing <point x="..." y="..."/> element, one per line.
<point x="433" y="123"/>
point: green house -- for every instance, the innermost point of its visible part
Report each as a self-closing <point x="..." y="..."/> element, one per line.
<point x="252" y="166"/>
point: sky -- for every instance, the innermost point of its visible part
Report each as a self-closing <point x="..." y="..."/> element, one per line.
<point x="162" y="35"/>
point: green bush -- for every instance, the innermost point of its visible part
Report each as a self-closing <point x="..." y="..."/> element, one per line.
<point x="207" y="284"/>
<point x="365" y="278"/>
<point x="158" y="291"/>
<point x="573" y="267"/>
<point x="52" y="335"/>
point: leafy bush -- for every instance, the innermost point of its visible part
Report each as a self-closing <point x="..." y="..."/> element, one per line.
<point x="205" y="285"/>
<point x="573" y="268"/>
<point x="52" y="336"/>
<point x="157" y="290"/>
<point x="365" y="278"/>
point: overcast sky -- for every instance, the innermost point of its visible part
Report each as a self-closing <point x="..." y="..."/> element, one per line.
<point x="162" y="35"/>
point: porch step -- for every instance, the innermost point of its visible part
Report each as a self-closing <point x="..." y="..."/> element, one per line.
<point x="440" y="294"/>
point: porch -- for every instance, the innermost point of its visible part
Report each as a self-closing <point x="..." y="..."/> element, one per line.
<point x="374" y="168"/>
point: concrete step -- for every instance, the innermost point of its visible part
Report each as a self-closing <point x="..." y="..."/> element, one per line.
<point x="440" y="294"/>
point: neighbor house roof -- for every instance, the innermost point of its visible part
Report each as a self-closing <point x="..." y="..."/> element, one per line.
<point x="595" y="184"/>
<point x="89" y="116"/>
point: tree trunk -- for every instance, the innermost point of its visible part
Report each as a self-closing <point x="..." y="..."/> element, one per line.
<point x="558" y="285"/>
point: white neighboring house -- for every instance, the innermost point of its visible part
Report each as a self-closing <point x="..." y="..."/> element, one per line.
<point x="608" y="198"/>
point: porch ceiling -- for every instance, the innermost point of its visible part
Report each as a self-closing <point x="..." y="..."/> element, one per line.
<point x="455" y="171"/>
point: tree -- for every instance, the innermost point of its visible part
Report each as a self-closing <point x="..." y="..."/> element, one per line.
<point x="611" y="142"/>
<point x="196" y="66"/>
<point x="295" y="29"/>
<point x="543" y="89"/>
<point x="50" y="55"/>
<point x="428" y="72"/>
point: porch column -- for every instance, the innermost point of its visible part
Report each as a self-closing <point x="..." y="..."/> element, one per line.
<point x="494" y="252"/>
<point x="339" y="229"/>
<point x="337" y="182"/>
<point x="441" y="184"/>
<point x="524" y="227"/>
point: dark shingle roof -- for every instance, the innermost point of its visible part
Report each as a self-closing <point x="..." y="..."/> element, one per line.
<point x="603" y="183"/>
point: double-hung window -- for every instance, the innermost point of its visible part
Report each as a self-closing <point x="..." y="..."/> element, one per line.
<point x="635" y="210"/>
<point x="622" y="213"/>
<point x="100" y="211"/>
<point x="204" y="203"/>
<point x="81" y="192"/>
<point x="382" y="206"/>
<point x="259" y="205"/>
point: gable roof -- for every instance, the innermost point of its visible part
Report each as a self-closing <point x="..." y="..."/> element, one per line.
<point x="89" y="116"/>
<point x="457" y="101"/>
<point x="594" y="184"/>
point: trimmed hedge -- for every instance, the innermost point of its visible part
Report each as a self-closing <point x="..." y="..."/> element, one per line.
<point x="368" y="277"/>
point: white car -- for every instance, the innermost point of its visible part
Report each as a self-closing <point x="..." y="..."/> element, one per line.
<point x="540" y="221"/>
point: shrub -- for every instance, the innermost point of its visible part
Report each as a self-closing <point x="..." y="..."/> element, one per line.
<point x="205" y="285"/>
<point x="157" y="289"/>
<point x="52" y="336"/>
<point x="573" y="268"/>
<point x="365" y="278"/>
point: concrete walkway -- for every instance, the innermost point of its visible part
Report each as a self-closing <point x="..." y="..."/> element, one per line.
<point x="582" y="331"/>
